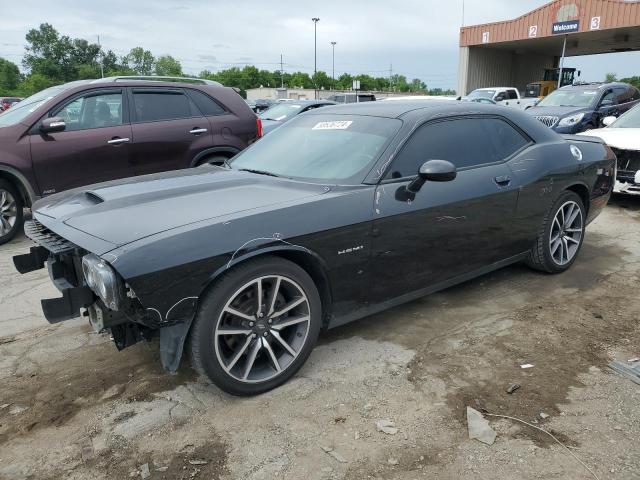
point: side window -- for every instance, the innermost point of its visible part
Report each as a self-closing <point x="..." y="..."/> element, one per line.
<point x="635" y="94"/>
<point x="512" y="95"/>
<point x="486" y="140"/>
<point x="95" y="110"/>
<point x="154" y="105"/>
<point x="205" y="103"/>
<point x="609" y="98"/>
<point x="350" y="99"/>
<point x="623" y="95"/>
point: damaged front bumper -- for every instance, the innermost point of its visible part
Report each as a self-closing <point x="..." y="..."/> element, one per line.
<point x="63" y="261"/>
<point x="128" y="325"/>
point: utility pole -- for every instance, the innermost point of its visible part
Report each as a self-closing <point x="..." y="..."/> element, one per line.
<point x="463" y="13"/>
<point x="281" y="73"/>
<point x="101" y="59"/>
<point x="333" y="63"/>
<point x="315" y="53"/>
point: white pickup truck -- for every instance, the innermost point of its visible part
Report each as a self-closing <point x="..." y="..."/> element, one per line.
<point x="507" y="96"/>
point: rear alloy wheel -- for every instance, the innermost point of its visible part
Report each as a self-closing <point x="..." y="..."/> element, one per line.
<point x="257" y="327"/>
<point x="11" y="207"/>
<point x="561" y="237"/>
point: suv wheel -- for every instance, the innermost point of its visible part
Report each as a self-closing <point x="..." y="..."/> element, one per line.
<point x="257" y="327"/>
<point x="561" y="236"/>
<point x="213" y="160"/>
<point x="11" y="211"/>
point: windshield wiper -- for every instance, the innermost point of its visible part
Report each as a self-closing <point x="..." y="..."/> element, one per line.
<point x="271" y="119"/>
<point x="259" y="172"/>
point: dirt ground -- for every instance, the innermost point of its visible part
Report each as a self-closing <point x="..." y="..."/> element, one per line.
<point x="72" y="407"/>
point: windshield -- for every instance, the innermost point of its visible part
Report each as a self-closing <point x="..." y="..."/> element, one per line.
<point x="21" y="110"/>
<point x="330" y="147"/>
<point x="281" y="111"/>
<point x="482" y="94"/>
<point x="631" y="119"/>
<point x="569" y="98"/>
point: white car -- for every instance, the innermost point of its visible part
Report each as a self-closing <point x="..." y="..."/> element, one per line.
<point x="623" y="136"/>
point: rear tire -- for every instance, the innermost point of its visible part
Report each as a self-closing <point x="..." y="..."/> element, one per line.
<point x="267" y="340"/>
<point x="561" y="236"/>
<point x="11" y="211"/>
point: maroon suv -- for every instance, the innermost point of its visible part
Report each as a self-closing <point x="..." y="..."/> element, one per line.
<point x="91" y="131"/>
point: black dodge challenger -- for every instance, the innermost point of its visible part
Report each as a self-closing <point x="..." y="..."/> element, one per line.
<point x="341" y="213"/>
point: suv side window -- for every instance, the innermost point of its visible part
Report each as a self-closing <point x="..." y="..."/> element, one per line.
<point x="94" y="110"/>
<point x="623" y="95"/>
<point x="152" y="105"/>
<point x="486" y="140"/>
<point x="207" y="105"/>
<point x="350" y="99"/>
<point x="609" y="96"/>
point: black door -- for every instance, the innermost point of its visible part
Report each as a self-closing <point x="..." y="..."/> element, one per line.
<point x="449" y="228"/>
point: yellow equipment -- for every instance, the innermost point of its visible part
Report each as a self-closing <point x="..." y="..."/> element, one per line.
<point x="544" y="87"/>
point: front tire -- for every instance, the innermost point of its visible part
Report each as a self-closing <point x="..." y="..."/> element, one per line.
<point x="256" y="327"/>
<point x="11" y="211"/>
<point x="561" y="235"/>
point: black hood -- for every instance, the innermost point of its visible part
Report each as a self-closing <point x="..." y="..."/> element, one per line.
<point x="123" y="211"/>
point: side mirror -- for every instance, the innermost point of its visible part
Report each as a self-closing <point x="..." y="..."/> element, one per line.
<point x="606" y="121"/>
<point x="433" y="171"/>
<point x="52" y="125"/>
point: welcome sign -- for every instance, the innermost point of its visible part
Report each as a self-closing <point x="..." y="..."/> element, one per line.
<point x="565" y="27"/>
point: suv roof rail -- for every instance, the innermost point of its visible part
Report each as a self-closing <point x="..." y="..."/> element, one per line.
<point x="156" y="78"/>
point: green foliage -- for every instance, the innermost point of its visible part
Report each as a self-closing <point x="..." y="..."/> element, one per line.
<point x="9" y="76"/>
<point x="140" y="61"/>
<point x="168" y="66"/>
<point x="51" y="58"/>
<point x="610" y="77"/>
<point x="635" y="81"/>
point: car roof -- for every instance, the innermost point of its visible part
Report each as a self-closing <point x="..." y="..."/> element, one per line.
<point x="400" y="108"/>
<point x="594" y="86"/>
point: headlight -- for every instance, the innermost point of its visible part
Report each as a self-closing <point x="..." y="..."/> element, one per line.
<point x="571" y="121"/>
<point x="102" y="279"/>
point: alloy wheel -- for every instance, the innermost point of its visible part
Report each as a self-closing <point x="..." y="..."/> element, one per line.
<point x="262" y="328"/>
<point x="8" y="212"/>
<point x="566" y="233"/>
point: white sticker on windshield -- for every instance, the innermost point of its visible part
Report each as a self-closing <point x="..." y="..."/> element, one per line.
<point x="335" y="125"/>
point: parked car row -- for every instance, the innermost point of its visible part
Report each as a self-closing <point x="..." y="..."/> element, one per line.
<point x="92" y="131"/>
<point x="339" y="213"/>
<point x="7" y="102"/>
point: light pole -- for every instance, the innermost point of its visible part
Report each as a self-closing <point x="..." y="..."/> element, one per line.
<point x="333" y="64"/>
<point x="315" y="53"/>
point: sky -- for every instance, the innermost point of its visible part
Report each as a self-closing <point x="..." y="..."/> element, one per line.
<point x="416" y="38"/>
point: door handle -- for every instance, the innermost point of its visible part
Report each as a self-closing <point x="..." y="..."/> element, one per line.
<point x="503" y="180"/>
<point x="197" y="131"/>
<point x="118" y="141"/>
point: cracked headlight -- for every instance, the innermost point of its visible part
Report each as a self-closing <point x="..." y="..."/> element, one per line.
<point x="103" y="280"/>
<point x="571" y="120"/>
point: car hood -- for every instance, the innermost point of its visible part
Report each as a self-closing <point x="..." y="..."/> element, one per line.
<point x="560" y="112"/>
<point x="123" y="211"/>
<point x="622" y="138"/>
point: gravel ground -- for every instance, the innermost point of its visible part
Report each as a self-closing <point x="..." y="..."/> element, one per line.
<point x="72" y="407"/>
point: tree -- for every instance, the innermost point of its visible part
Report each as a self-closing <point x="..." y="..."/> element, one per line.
<point x="9" y="76"/>
<point x="610" y="77"/>
<point x="58" y="57"/>
<point x="321" y="80"/>
<point x="168" y="66"/>
<point x="140" y="61"/>
<point x="635" y="81"/>
<point x="417" y="85"/>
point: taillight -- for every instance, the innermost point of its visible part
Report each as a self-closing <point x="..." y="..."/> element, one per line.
<point x="259" y="127"/>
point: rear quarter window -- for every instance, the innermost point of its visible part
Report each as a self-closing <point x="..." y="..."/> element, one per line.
<point x="155" y="105"/>
<point x="207" y="105"/>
